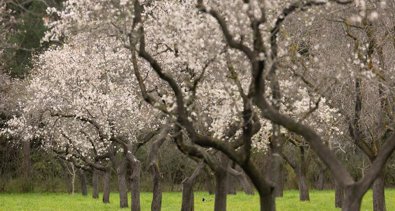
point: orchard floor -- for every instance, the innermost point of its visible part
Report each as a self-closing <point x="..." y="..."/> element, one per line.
<point x="320" y="200"/>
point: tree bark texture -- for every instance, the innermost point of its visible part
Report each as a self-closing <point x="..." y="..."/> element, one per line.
<point x="95" y="184"/>
<point x="156" y="203"/>
<point x="221" y="189"/>
<point x="106" y="186"/>
<point x="84" y="188"/>
<point x="122" y="184"/>
<point x="187" y="189"/>
<point x="379" y="194"/>
<point x="339" y="195"/>
<point x="135" y="185"/>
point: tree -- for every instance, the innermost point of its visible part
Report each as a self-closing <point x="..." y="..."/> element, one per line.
<point x="221" y="92"/>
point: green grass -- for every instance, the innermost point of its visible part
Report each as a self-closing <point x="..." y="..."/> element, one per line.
<point x="320" y="200"/>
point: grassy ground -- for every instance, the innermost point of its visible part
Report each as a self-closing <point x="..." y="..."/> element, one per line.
<point x="320" y="200"/>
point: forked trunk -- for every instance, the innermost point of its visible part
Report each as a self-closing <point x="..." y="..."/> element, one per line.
<point x="352" y="200"/>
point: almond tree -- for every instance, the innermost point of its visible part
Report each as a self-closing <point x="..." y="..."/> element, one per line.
<point x="263" y="64"/>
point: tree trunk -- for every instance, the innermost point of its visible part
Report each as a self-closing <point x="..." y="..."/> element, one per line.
<point x="95" y="184"/>
<point x="84" y="188"/>
<point x="135" y="185"/>
<point x="237" y="173"/>
<point x="156" y="203"/>
<point x="351" y="201"/>
<point x="301" y="171"/>
<point x="273" y="172"/>
<point x="321" y="179"/>
<point x="209" y="185"/>
<point x="303" y="187"/>
<point x="267" y="202"/>
<point x="339" y="195"/>
<point x="246" y="184"/>
<point x="157" y="192"/>
<point x="26" y="167"/>
<point x="122" y="185"/>
<point x="187" y="189"/>
<point x="106" y="186"/>
<point x="73" y="173"/>
<point x="379" y="194"/>
<point x="231" y="184"/>
<point x="278" y="175"/>
<point x="220" y="189"/>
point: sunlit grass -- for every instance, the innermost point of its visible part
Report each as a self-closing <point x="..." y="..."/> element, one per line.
<point x="320" y="200"/>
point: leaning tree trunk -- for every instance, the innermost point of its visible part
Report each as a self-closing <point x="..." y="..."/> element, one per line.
<point x="95" y="184"/>
<point x="106" y="185"/>
<point x="379" y="194"/>
<point x="122" y="185"/>
<point x="187" y="189"/>
<point x="239" y="174"/>
<point x="231" y="184"/>
<point x="246" y="184"/>
<point x="231" y="179"/>
<point x="84" y="188"/>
